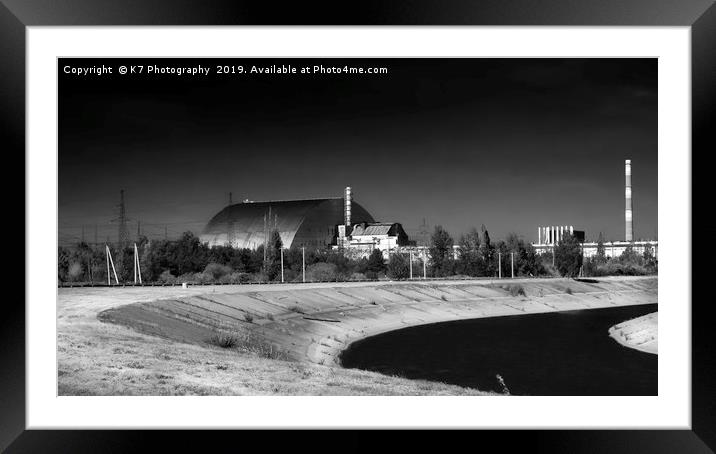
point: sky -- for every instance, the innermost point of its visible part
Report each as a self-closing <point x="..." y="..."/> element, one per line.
<point x="509" y="143"/>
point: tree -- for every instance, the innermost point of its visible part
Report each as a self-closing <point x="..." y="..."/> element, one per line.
<point x="273" y="256"/>
<point x="601" y="255"/>
<point x="440" y="251"/>
<point x="568" y="256"/>
<point x="470" y="261"/>
<point x="649" y="259"/>
<point x="487" y="250"/>
<point x="376" y="263"/>
<point x="398" y="267"/>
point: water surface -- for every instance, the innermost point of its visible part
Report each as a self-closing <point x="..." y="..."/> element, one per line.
<point x="557" y="353"/>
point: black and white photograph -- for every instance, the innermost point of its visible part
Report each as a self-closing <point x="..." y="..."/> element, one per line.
<point x="357" y="227"/>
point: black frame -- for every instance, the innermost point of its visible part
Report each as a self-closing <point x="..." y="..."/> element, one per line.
<point x="700" y="15"/>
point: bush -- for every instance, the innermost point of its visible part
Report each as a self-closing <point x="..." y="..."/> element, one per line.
<point x="216" y="271"/>
<point x="321" y="272"/>
<point x="167" y="277"/>
<point x="516" y="290"/>
<point x="376" y="262"/>
<point x="224" y="340"/>
<point x="75" y="272"/>
<point x="398" y="267"/>
<point x="358" y="277"/>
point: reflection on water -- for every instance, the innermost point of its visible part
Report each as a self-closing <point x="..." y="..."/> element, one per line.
<point x="558" y="353"/>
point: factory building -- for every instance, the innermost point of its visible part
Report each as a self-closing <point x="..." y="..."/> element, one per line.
<point x="309" y="223"/>
<point x="367" y="236"/>
<point x="548" y="237"/>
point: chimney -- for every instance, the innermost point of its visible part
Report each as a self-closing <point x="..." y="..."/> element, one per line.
<point x="347" y="211"/>
<point x="629" y="236"/>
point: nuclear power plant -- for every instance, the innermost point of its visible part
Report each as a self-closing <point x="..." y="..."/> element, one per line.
<point x="548" y="237"/>
<point x="338" y="222"/>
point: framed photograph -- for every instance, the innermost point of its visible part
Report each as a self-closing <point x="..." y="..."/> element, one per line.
<point x="434" y="218"/>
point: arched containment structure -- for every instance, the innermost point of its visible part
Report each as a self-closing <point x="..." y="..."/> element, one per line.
<point x="300" y="222"/>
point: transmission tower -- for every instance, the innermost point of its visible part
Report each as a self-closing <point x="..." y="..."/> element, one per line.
<point x="123" y="233"/>
<point x="424" y="232"/>
<point x="230" y="226"/>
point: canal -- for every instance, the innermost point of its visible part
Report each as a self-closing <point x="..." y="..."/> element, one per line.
<point x="556" y="353"/>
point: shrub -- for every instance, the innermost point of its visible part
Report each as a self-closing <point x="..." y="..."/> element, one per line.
<point x="216" y="271"/>
<point x="167" y="277"/>
<point x="376" y="262"/>
<point x="357" y="277"/>
<point x="516" y="290"/>
<point x="398" y="267"/>
<point x="223" y="340"/>
<point x="75" y="271"/>
<point x="321" y="272"/>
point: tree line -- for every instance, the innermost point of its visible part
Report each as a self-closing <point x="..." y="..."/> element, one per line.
<point x="476" y="255"/>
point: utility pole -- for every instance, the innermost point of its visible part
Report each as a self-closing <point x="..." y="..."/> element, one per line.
<point x="425" y="268"/>
<point x="95" y="235"/>
<point x="166" y="234"/>
<point x="411" y="264"/>
<point x="83" y="233"/>
<point x="282" y="264"/>
<point x="303" y="249"/>
<point x="499" y="265"/>
<point x="139" y="230"/>
<point x="137" y="268"/>
<point x="109" y="260"/>
<point x="512" y="264"/>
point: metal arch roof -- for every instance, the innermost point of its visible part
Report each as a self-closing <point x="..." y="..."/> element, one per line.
<point x="246" y="220"/>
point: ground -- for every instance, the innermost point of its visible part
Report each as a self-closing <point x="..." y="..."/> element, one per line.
<point x="96" y="358"/>
<point x="166" y="340"/>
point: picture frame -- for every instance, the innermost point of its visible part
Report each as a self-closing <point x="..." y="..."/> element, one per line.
<point x="16" y="15"/>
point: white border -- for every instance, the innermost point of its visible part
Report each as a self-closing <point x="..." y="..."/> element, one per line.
<point x="671" y="409"/>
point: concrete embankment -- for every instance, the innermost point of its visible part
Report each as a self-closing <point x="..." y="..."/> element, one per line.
<point x="640" y="333"/>
<point x="317" y="322"/>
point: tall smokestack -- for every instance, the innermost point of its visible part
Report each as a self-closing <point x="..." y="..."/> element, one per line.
<point x="629" y="236"/>
<point x="347" y="211"/>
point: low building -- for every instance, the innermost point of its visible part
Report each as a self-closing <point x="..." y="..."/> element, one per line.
<point x="611" y="248"/>
<point x="367" y="236"/>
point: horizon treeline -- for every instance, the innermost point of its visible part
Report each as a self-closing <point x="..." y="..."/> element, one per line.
<point x="476" y="255"/>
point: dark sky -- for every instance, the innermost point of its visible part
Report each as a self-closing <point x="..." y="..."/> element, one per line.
<point x="509" y="143"/>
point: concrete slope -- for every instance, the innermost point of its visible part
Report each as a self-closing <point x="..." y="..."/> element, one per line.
<point x="316" y="323"/>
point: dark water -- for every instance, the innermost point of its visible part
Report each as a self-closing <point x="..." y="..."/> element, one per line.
<point x="558" y="353"/>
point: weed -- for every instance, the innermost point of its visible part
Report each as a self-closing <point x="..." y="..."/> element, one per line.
<point x="223" y="340"/>
<point x="501" y="381"/>
<point x="296" y="309"/>
<point x="270" y="317"/>
<point x="249" y="318"/>
<point x="516" y="290"/>
<point x="443" y="297"/>
<point x="568" y="291"/>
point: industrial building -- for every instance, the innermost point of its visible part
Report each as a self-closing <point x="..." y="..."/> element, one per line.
<point x="548" y="237"/>
<point x="367" y="236"/>
<point x="310" y="223"/>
